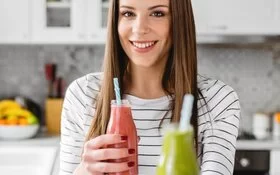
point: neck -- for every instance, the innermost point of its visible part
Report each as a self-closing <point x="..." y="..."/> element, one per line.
<point x="144" y="82"/>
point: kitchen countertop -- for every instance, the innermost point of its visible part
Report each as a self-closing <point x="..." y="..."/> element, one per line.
<point x="41" y="140"/>
<point x="52" y="140"/>
<point x="268" y="144"/>
<point x="44" y="140"/>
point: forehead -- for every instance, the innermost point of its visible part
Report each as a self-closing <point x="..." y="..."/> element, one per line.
<point x="143" y="3"/>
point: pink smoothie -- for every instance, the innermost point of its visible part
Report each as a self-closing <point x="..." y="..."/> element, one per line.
<point x="121" y="122"/>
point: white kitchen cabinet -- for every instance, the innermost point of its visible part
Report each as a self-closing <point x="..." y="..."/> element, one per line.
<point x="236" y="17"/>
<point x="277" y="9"/>
<point x="274" y="162"/>
<point x="199" y="9"/>
<point x="58" y="22"/>
<point x="96" y="21"/>
<point x="15" y="22"/>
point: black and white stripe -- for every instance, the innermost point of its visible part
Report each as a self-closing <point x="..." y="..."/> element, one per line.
<point x="218" y="124"/>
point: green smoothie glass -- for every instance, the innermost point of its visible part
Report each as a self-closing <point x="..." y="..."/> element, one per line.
<point x="178" y="154"/>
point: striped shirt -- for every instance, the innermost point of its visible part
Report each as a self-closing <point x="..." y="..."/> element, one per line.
<point x="218" y="123"/>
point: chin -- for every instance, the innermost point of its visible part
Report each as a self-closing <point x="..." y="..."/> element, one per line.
<point x="143" y="62"/>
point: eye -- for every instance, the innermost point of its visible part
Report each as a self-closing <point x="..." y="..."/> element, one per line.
<point x="127" y="14"/>
<point x="158" y="14"/>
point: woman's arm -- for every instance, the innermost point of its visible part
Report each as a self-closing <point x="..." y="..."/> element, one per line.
<point x="77" y="156"/>
<point x="219" y="137"/>
<point x="72" y="128"/>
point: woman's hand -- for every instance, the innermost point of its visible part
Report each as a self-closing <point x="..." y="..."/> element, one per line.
<point x="95" y="157"/>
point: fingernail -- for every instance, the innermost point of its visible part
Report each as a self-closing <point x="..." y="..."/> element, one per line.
<point x="123" y="137"/>
<point x="130" y="164"/>
<point x="131" y="151"/>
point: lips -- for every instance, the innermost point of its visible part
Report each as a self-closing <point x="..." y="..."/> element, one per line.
<point x="143" y="44"/>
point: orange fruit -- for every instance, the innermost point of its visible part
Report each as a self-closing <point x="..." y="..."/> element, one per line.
<point x="22" y="121"/>
<point x="3" y="122"/>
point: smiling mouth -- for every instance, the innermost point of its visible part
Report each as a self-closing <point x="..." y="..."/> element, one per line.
<point x="143" y="45"/>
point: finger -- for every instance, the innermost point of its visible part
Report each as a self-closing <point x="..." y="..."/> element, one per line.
<point x="108" y="153"/>
<point x="105" y="167"/>
<point x="102" y="140"/>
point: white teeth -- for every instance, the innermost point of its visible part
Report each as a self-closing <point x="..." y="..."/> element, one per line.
<point x="143" y="45"/>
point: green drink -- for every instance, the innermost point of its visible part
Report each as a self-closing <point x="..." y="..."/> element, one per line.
<point x="178" y="154"/>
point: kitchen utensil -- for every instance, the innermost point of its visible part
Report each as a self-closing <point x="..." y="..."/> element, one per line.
<point x="53" y="110"/>
<point x="50" y="74"/>
<point x="59" y="87"/>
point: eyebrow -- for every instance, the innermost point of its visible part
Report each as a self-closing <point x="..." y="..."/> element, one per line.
<point x="150" y="8"/>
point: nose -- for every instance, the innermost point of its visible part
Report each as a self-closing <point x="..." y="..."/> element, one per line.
<point x="140" y="25"/>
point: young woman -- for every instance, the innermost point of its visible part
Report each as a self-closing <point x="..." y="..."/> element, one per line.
<point x="151" y="48"/>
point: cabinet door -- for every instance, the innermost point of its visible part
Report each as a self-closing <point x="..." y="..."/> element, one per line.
<point x="58" y="22"/>
<point x="239" y="16"/>
<point x="274" y="162"/>
<point x="97" y="11"/>
<point x="200" y="19"/>
<point x="14" y="18"/>
<point x="277" y="23"/>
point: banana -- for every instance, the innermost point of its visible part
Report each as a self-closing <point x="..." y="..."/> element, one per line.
<point x="17" y="112"/>
<point x="6" y="105"/>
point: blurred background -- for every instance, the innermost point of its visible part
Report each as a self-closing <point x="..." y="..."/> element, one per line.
<point x="45" y="45"/>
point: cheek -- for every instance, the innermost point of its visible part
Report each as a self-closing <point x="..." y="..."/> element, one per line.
<point x="166" y="30"/>
<point x="123" y="30"/>
<point x="163" y="29"/>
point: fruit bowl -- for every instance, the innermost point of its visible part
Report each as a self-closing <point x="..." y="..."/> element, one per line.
<point x="18" y="132"/>
<point x="17" y="122"/>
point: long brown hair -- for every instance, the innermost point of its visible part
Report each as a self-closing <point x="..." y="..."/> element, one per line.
<point x="180" y="74"/>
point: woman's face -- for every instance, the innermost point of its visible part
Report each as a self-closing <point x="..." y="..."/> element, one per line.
<point x="144" y="31"/>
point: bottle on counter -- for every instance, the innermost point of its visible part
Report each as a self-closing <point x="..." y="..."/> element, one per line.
<point x="276" y="126"/>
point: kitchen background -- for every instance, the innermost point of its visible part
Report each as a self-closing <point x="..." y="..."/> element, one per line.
<point x="241" y="49"/>
<point x="253" y="70"/>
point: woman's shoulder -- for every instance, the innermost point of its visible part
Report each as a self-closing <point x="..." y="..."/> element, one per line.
<point x="90" y="81"/>
<point x="86" y="88"/>
<point x="216" y="91"/>
<point x="219" y="102"/>
<point x="208" y="85"/>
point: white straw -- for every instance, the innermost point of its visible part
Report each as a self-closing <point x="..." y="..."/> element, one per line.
<point x="117" y="91"/>
<point x="186" y="112"/>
